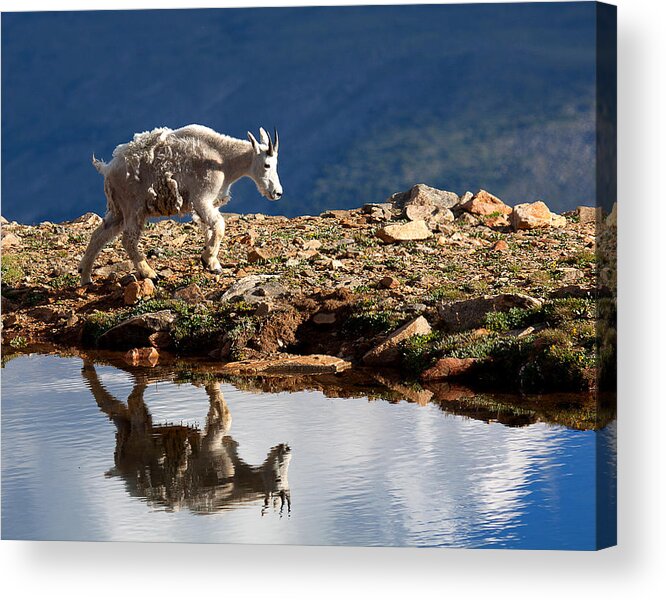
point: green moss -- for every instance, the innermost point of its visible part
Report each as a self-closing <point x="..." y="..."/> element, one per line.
<point x="12" y="270"/>
<point x="368" y="321"/>
<point x="419" y="352"/>
<point x="514" y="318"/>
<point x="66" y="280"/>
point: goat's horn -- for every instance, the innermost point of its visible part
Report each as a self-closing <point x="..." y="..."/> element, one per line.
<point x="277" y="138"/>
<point x="271" y="148"/>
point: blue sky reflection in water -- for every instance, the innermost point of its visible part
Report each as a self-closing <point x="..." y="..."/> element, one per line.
<point x="368" y="100"/>
<point x="361" y="472"/>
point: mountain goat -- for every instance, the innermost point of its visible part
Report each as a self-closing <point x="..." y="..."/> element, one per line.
<point x="167" y="172"/>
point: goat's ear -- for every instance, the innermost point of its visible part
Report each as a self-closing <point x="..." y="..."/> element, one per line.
<point x="263" y="136"/>
<point x="255" y="143"/>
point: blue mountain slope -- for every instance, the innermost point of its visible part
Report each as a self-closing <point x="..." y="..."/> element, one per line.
<point x="368" y="100"/>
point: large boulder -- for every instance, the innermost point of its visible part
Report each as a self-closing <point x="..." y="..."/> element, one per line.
<point x="470" y="314"/>
<point x="535" y="215"/>
<point x="387" y="352"/>
<point x="483" y="203"/>
<point x="424" y="195"/>
<point x="135" y="332"/>
<point x="404" y="232"/>
<point x="588" y="214"/>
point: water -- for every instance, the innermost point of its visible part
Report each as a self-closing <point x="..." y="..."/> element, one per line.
<point x="95" y="452"/>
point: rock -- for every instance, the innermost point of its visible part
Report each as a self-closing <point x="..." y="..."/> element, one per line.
<point x="588" y="214"/>
<point x="10" y="240"/>
<point x="446" y="368"/>
<point x="611" y="219"/>
<point x="558" y="221"/>
<point x="387" y="352"/>
<point x="496" y="221"/>
<point x="388" y="283"/>
<point x="259" y="254"/>
<point x="136" y="331"/>
<point x="311" y="245"/>
<point x="127" y="279"/>
<point x="424" y="195"/>
<point x="313" y="364"/>
<point x="138" y="290"/>
<point x="249" y="238"/>
<point x="571" y="275"/>
<point x="382" y="211"/>
<point x="253" y="289"/>
<point x="191" y="294"/>
<point x="161" y="340"/>
<point x="142" y="356"/>
<point x="44" y="314"/>
<point x="155" y="253"/>
<point x="89" y="219"/>
<point x="263" y="309"/>
<point x="322" y="318"/>
<point x="403" y="232"/>
<point x="573" y="291"/>
<point x="335" y="214"/>
<point x="469" y="314"/>
<point x="178" y="241"/>
<point x="531" y="216"/>
<point x="466" y="219"/>
<point x="500" y="246"/>
<point x="124" y="266"/>
<point x="3" y="221"/>
<point x="484" y="203"/>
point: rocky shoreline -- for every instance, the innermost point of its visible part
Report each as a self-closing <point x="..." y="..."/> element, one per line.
<point x="432" y="285"/>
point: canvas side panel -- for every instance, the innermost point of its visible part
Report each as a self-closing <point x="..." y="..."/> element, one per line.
<point x="606" y="201"/>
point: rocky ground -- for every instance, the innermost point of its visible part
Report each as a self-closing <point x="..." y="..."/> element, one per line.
<point x="433" y="285"/>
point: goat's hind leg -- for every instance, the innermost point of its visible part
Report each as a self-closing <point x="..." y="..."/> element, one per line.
<point x="107" y="231"/>
<point x="131" y="237"/>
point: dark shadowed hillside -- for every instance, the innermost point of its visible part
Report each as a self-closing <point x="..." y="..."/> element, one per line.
<point x="368" y="100"/>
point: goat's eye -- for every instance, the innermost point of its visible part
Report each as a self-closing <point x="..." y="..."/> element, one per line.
<point x="267" y="166"/>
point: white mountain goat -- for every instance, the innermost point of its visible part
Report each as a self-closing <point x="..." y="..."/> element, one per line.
<point x="168" y="172"/>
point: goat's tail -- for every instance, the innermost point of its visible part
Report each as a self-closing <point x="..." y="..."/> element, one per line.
<point x="100" y="165"/>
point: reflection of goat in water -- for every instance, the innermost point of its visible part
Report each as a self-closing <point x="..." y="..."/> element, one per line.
<point x="178" y="466"/>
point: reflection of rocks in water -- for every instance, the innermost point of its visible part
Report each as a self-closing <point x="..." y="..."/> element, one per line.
<point x="178" y="466"/>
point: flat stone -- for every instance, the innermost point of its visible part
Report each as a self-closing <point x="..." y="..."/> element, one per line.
<point x="404" y="232"/>
<point x="313" y="364"/>
<point x="387" y="352"/>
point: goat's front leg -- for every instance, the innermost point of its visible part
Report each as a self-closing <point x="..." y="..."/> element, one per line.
<point x="131" y="237"/>
<point x="213" y="222"/>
